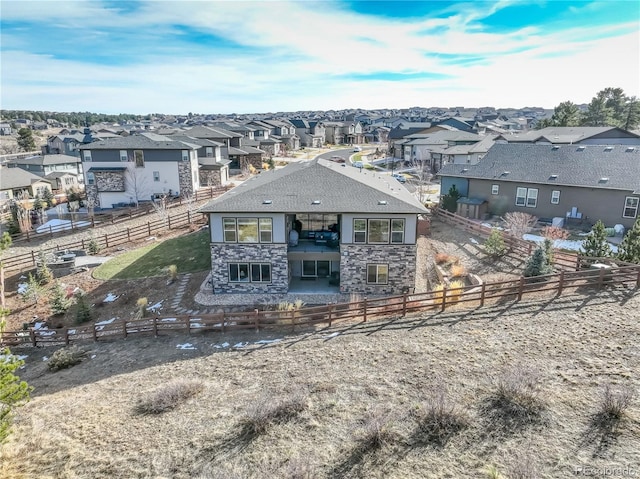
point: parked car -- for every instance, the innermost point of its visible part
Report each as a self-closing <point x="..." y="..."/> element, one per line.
<point x="357" y="148"/>
<point x="399" y="177"/>
<point x="338" y="159"/>
<point x="358" y="164"/>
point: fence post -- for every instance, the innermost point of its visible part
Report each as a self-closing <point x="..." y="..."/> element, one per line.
<point x="222" y="321"/>
<point x="331" y="310"/>
<point x="188" y="217"/>
<point x="638" y="279"/>
<point x="106" y="240"/>
<point x="93" y="223"/>
<point x="169" y="221"/>
<point x="529" y="249"/>
<point x="601" y="278"/>
<point x="482" y="293"/>
<point x="561" y="283"/>
<point x="66" y="336"/>
<point x="32" y="334"/>
<point x="187" y="323"/>
<point x="578" y="261"/>
<point x="444" y="299"/>
<point x="155" y="326"/>
<point x="365" y="310"/>
<point x="95" y="334"/>
<point x="128" y="235"/>
<point x="256" y="319"/>
<point x="520" y="288"/>
<point x="82" y="243"/>
<point x="404" y="305"/>
<point x="28" y="237"/>
<point x="124" y="329"/>
<point x="149" y="228"/>
<point x="33" y="257"/>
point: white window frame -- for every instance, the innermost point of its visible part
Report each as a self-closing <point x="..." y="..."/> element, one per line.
<point x="86" y="155"/>
<point x="185" y="155"/>
<point x="382" y="223"/>
<point x="253" y="272"/>
<point x="231" y="232"/>
<point x="495" y="189"/>
<point x="156" y="176"/>
<point x="91" y="178"/>
<point x="360" y="234"/>
<point x="123" y="155"/>
<point x="521" y="196"/>
<point x="526" y="197"/>
<point x="555" y="197"/>
<point x="381" y="269"/>
<point x="209" y="151"/>
<point x="631" y="202"/>
<point x="396" y="236"/>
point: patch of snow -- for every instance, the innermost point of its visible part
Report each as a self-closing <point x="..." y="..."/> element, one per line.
<point x="221" y="346"/>
<point x="54" y="225"/>
<point x="474" y="241"/>
<point x="45" y="358"/>
<point x="8" y="357"/>
<point x="151" y="238"/>
<point x="240" y="345"/>
<point x="22" y="288"/>
<point x="185" y="346"/>
<point x="168" y="319"/>
<point x="100" y="325"/>
<point x="39" y="325"/>
<point x="110" y="298"/>
<point x="267" y="341"/>
<point x="154" y="308"/>
<point x="93" y="356"/>
<point x="332" y="335"/>
<point x="22" y="276"/>
<point x="197" y="325"/>
<point x="72" y="331"/>
<point x="45" y="332"/>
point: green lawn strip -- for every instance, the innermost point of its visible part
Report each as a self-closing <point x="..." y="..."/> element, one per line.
<point x="189" y="253"/>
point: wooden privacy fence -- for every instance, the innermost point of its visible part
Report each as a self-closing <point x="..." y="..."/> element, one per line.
<point x="116" y="216"/>
<point x="365" y="309"/>
<point x="561" y="260"/>
<point x="107" y="240"/>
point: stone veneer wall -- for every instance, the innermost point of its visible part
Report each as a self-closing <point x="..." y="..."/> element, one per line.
<point x="92" y="192"/>
<point x="108" y="181"/>
<point x="276" y="254"/>
<point x="353" y="268"/>
<point x="184" y="177"/>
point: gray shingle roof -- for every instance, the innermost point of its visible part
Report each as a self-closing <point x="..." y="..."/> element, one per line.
<point x="573" y="165"/>
<point x="17" y="178"/>
<point x="340" y="189"/>
<point x="565" y="134"/>
<point x="47" y="160"/>
<point x="211" y="133"/>
<point x="143" y="141"/>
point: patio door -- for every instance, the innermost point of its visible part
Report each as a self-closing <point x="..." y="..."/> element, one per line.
<point x="316" y="269"/>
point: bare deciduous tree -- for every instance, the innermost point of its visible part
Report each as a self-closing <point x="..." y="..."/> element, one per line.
<point x="519" y="223"/>
<point x="136" y="184"/>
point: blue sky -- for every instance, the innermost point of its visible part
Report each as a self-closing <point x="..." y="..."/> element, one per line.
<point x="268" y="56"/>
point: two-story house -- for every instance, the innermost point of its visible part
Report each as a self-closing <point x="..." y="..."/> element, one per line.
<point x="284" y="131"/>
<point x="138" y="168"/>
<point x="311" y="133"/>
<point x="63" y="171"/>
<point x="213" y="169"/>
<point x="340" y="228"/>
<point x="579" y="183"/>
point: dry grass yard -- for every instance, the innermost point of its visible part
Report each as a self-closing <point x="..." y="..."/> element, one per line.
<point x="516" y="391"/>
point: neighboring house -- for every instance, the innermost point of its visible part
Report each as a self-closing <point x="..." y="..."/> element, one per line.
<point x="583" y="135"/>
<point x="46" y="164"/>
<point x="428" y="149"/>
<point x="284" y="131"/>
<point x="311" y="133"/>
<point x="213" y="169"/>
<point x="348" y="230"/>
<point x="68" y="144"/>
<point x="61" y="181"/>
<point x="468" y="154"/>
<point x="139" y="168"/>
<point x="15" y="182"/>
<point x="5" y="129"/>
<point x="577" y="182"/>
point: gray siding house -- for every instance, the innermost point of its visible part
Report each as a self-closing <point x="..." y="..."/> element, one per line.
<point x="136" y="168"/>
<point x="337" y="228"/>
<point x="584" y="183"/>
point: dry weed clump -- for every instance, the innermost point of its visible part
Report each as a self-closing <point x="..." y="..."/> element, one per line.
<point x="515" y="399"/>
<point x="458" y="270"/>
<point x="168" y="396"/>
<point x="375" y="432"/>
<point x="453" y="292"/>
<point x="439" y="419"/>
<point x="613" y="405"/>
<point x="523" y="465"/>
<point x="268" y="410"/>
<point x="65" y="358"/>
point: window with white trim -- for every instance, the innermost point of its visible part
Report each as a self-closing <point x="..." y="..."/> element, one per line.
<point x="123" y="155"/>
<point x="247" y="230"/>
<point x="86" y="155"/>
<point x="185" y="155"/>
<point x="156" y="176"/>
<point x="209" y="151"/>
<point x="249" y="272"/>
<point x="630" y="207"/>
<point x="91" y="179"/>
<point x="378" y="231"/>
<point x="555" y="197"/>
<point x="495" y="189"/>
<point x="377" y="273"/>
<point x="527" y="197"/>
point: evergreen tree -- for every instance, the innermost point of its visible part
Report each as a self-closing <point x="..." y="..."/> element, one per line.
<point x="59" y="302"/>
<point x="495" y="246"/>
<point x="93" y="247"/>
<point x="43" y="273"/>
<point x="629" y="248"/>
<point x="537" y="264"/>
<point x="13" y="391"/>
<point x="47" y="196"/>
<point x="34" y="290"/>
<point x="25" y="139"/>
<point x="83" y="310"/>
<point x="596" y="244"/>
<point x="450" y="200"/>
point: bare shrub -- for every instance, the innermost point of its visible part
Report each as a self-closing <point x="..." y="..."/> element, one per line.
<point x="168" y="396"/>
<point x="554" y="233"/>
<point x="454" y="292"/>
<point x="613" y="404"/>
<point x="442" y="258"/>
<point x="515" y="399"/>
<point x="519" y="223"/>
<point x="65" y="358"/>
<point x="375" y="431"/>
<point x="439" y="418"/>
<point x="268" y="410"/>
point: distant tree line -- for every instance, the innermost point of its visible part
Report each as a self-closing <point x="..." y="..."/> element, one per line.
<point x="610" y="107"/>
<point x="77" y="119"/>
